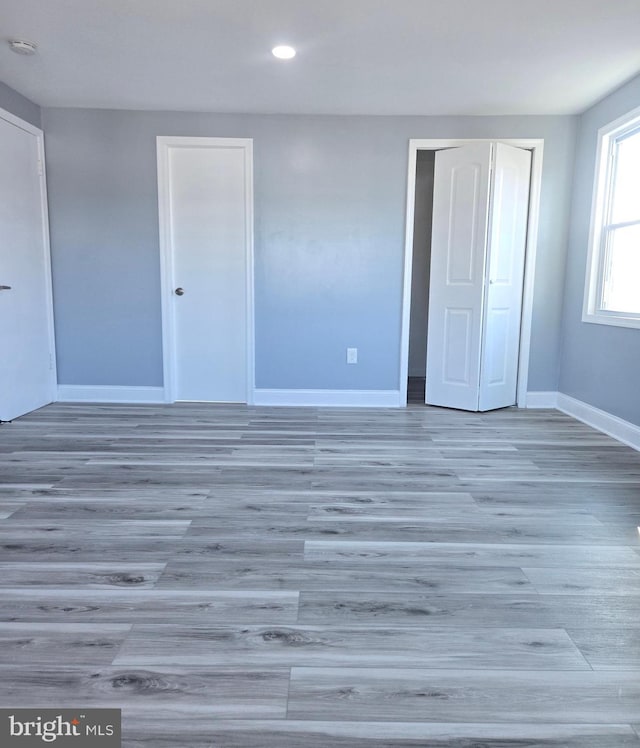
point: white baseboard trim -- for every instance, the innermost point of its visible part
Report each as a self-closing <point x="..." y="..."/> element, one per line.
<point x="80" y="393"/>
<point x="624" y="431"/>
<point x="542" y="399"/>
<point x="618" y="428"/>
<point x="328" y="398"/>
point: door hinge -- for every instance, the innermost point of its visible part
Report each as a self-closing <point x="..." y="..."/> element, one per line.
<point x="40" y="168"/>
<point x="51" y="361"/>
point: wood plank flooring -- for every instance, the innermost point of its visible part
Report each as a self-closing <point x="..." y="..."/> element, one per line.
<point x="307" y="578"/>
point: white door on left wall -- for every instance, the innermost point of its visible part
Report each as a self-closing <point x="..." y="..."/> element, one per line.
<point x="27" y="371"/>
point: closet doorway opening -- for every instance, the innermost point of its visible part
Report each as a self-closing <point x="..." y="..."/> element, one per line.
<point x="464" y="350"/>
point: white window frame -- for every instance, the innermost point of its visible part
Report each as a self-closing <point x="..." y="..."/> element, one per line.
<point x="607" y="136"/>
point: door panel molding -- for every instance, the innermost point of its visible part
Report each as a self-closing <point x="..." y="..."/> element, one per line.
<point x="455" y="363"/>
<point x="536" y="146"/>
<point x="454" y="274"/>
<point x="164" y="146"/>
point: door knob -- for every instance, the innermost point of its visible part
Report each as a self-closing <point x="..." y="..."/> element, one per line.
<point x="179" y="292"/>
<point x="5" y="288"/>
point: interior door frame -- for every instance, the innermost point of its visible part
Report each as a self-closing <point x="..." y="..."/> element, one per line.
<point x="163" y="144"/>
<point x="46" y="243"/>
<point x="536" y="146"/>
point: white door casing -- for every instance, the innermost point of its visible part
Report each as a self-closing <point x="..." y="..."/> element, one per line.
<point x="481" y="197"/>
<point x="460" y="208"/>
<point x="206" y="230"/>
<point x="27" y="364"/>
<point x="506" y="243"/>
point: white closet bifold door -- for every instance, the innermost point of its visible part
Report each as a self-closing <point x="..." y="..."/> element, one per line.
<point x="480" y="204"/>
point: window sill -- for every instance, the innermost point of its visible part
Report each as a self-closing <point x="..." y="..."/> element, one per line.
<point x="611" y="320"/>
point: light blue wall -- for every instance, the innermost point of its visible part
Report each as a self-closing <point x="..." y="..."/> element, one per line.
<point x="19" y="105"/>
<point x="600" y="364"/>
<point x="329" y="216"/>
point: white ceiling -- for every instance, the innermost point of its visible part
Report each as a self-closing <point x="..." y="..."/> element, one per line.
<point x="354" y="56"/>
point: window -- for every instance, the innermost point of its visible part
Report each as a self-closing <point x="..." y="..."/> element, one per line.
<point x="612" y="293"/>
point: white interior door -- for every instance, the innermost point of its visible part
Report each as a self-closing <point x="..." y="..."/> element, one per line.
<point x="503" y="293"/>
<point x="456" y="288"/>
<point x="204" y="206"/>
<point x="480" y="210"/>
<point x="27" y="374"/>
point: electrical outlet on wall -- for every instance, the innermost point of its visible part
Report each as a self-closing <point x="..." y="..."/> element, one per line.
<point x="352" y="355"/>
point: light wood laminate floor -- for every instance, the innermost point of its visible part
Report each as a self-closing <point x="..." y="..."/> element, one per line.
<point x="237" y="577"/>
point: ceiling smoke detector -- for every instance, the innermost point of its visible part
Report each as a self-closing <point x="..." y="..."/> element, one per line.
<point x="22" y="47"/>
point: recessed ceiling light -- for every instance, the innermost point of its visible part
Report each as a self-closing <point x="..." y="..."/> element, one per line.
<point x="22" y="47"/>
<point x="283" y="52"/>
